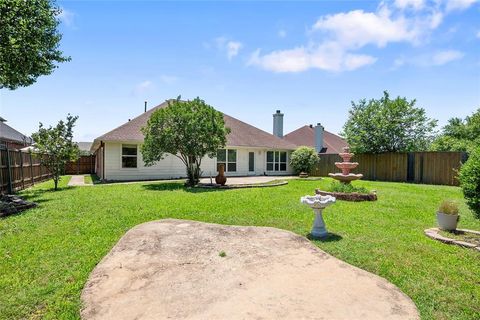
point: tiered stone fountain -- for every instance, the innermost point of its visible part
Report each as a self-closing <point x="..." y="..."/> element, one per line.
<point x="346" y="177"/>
<point x="346" y="166"/>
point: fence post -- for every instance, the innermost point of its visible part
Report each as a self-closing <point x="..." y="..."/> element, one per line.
<point x="21" y="169"/>
<point x="31" y="168"/>
<point x="9" y="172"/>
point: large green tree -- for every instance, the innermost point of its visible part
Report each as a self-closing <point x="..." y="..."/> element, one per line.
<point x="55" y="147"/>
<point x="189" y="130"/>
<point x="388" y="125"/>
<point x="459" y="134"/>
<point x="29" y="41"/>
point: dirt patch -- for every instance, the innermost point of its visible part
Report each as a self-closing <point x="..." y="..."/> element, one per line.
<point x="177" y="269"/>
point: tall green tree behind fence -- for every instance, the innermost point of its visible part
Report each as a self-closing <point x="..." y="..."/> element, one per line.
<point x="417" y="167"/>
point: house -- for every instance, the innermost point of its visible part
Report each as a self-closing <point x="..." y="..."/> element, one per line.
<point x="249" y="151"/>
<point x="84" y="148"/>
<point x="11" y="138"/>
<point x="316" y="137"/>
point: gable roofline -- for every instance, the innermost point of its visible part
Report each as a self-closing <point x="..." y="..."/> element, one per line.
<point x="242" y="135"/>
<point x="305" y="136"/>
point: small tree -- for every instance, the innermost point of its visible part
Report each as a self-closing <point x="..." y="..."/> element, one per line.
<point x="54" y="146"/>
<point x="29" y="41"/>
<point x="304" y="159"/>
<point x="459" y="134"/>
<point x="387" y="125"/>
<point x="470" y="181"/>
<point x="189" y="130"/>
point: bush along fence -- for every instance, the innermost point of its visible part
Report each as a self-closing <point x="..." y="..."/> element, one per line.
<point x="20" y="169"/>
<point x="417" y="167"/>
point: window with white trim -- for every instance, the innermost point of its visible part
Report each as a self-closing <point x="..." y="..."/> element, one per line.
<point x="129" y="155"/>
<point x="227" y="157"/>
<point x="276" y="161"/>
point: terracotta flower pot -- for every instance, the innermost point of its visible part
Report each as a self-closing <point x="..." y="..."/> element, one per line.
<point x="220" y="178"/>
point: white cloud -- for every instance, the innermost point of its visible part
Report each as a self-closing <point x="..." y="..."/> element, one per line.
<point x="446" y="56"/>
<point x="478" y="34"/>
<point x="459" y="4"/>
<point x="336" y="39"/>
<point x="233" y="47"/>
<point x="435" y="59"/>
<point x="328" y="56"/>
<point x="143" y="87"/>
<point x="230" y="47"/>
<point x="282" y="33"/>
<point x="358" y="28"/>
<point x="67" y="17"/>
<point x="414" y="4"/>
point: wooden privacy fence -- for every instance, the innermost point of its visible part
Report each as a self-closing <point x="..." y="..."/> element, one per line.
<point x="19" y="170"/>
<point x="84" y="164"/>
<point x="417" y="167"/>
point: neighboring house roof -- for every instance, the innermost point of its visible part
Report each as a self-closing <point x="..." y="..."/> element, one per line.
<point x="241" y="135"/>
<point x="84" y="146"/>
<point x="305" y="136"/>
<point x="7" y="133"/>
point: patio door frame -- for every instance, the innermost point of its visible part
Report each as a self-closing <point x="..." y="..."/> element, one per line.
<point x="251" y="172"/>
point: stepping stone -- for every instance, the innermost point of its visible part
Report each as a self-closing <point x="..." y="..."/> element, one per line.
<point x="179" y="269"/>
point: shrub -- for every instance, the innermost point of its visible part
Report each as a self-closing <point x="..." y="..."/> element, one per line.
<point x="448" y="207"/>
<point x="470" y="181"/>
<point x="304" y="159"/>
<point x="346" y="188"/>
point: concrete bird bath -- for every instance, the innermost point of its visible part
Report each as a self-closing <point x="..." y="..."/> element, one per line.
<point x="318" y="203"/>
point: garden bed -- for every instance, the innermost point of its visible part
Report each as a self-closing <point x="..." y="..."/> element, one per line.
<point x="461" y="237"/>
<point x="274" y="183"/>
<point x="352" y="196"/>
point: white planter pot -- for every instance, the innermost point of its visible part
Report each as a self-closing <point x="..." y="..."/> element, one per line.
<point x="447" y="221"/>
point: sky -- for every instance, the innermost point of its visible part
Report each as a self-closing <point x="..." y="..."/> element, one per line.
<point x="309" y="59"/>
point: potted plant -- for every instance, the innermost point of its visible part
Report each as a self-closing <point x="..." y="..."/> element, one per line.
<point x="447" y="215"/>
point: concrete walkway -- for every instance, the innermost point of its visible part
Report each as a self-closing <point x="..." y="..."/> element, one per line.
<point x="77" y="180"/>
<point x="249" y="180"/>
<point x="180" y="269"/>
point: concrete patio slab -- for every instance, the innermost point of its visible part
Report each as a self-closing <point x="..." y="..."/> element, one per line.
<point x="77" y="180"/>
<point x="176" y="269"/>
<point x="249" y="180"/>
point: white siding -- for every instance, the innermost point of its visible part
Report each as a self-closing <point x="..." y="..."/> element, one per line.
<point x="171" y="167"/>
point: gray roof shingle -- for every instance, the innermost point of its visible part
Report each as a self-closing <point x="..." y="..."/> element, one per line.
<point x="10" y="134"/>
<point x="241" y="135"/>
<point x="305" y="136"/>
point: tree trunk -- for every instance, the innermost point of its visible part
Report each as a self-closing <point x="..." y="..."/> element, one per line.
<point x="193" y="174"/>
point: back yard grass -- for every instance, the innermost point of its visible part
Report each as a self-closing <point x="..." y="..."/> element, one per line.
<point x="47" y="253"/>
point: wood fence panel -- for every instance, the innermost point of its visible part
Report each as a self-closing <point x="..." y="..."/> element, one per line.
<point x="84" y="165"/>
<point x="428" y="167"/>
<point x="19" y="170"/>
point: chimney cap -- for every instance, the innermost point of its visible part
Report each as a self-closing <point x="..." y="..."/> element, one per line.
<point x="278" y="111"/>
<point x="310" y="125"/>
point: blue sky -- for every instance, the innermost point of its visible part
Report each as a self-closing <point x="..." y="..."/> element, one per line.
<point x="247" y="59"/>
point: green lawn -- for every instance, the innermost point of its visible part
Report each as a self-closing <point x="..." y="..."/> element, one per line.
<point x="47" y="253"/>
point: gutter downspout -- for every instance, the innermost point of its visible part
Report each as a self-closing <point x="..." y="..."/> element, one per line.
<point x="102" y="144"/>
